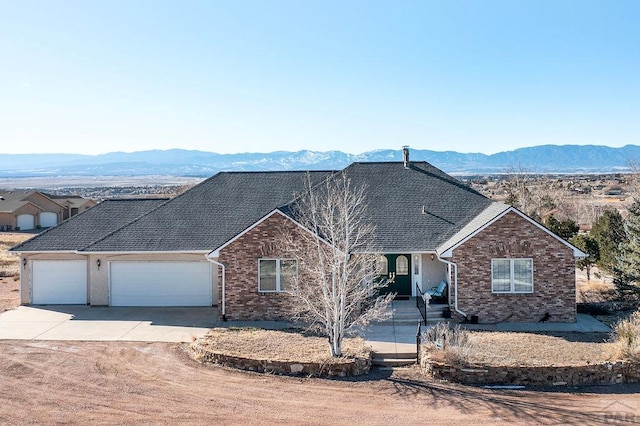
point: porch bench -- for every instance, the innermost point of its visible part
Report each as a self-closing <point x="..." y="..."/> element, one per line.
<point x="438" y="291"/>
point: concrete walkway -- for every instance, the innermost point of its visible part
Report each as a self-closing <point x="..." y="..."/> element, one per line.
<point x="401" y="338"/>
<point x="584" y="324"/>
<point x="85" y="323"/>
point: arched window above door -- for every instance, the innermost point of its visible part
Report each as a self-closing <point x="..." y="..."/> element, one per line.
<point x="402" y="265"/>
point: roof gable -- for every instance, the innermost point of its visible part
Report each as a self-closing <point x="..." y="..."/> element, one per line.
<point x="492" y="215"/>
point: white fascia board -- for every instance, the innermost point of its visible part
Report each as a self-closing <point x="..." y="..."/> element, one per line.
<point x="577" y="253"/>
<point x="142" y="252"/>
<point x="214" y="254"/>
<point x="401" y="252"/>
<point x="45" y="251"/>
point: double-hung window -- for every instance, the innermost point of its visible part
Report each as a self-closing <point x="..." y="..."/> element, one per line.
<point x="277" y="275"/>
<point x="512" y="275"/>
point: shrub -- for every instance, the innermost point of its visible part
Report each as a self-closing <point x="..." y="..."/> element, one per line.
<point x="443" y="343"/>
<point x="593" y="309"/>
<point x="626" y="336"/>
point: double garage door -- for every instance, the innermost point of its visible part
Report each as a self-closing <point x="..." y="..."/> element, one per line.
<point x="62" y="282"/>
<point x="161" y="284"/>
<point x="28" y="221"/>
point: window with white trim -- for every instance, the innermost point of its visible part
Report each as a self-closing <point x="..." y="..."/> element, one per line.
<point x="277" y="275"/>
<point x="512" y="275"/>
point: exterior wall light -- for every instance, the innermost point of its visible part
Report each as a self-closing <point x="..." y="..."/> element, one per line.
<point x="24" y="262"/>
<point x="98" y="263"/>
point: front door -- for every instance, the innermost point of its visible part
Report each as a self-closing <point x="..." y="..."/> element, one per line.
<point x="398" y="275"/>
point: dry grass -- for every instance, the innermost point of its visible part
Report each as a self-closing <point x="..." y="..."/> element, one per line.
<point x="530" y="349"/>
<point x="9" y="261"/>
<point x="599" y="288"/>
<point x="278" y="345"/>
<point x="626" y="337"/>
<point x="10" y="270"/>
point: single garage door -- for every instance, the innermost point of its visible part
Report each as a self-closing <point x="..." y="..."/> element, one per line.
<point x="161" y="284"/>
<point x="48" y="219"/>
<point x="26" y="221"/>
<point x="59" y="282"/>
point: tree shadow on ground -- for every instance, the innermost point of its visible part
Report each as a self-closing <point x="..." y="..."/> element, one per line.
<point x="528" y="406"/>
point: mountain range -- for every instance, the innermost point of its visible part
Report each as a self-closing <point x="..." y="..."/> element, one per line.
<point x="178" y="162"/>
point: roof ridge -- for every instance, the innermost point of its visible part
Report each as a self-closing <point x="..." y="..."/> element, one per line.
<point x="129" y="223"/>
<point x="46" y="231"/>
<point x="273" y="171"/>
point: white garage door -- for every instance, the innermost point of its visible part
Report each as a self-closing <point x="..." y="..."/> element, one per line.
<point x="48" y="219"/>
<point x="161" y="284"/>
<point x="26" y="221"/>
<point x="59" y="282"/>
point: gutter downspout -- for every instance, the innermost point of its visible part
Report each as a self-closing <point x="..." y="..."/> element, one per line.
<point x="455" y="284"/>
<point x="223" y="309"/>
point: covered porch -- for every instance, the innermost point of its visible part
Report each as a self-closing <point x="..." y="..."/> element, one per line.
<point x="412" y="275"/>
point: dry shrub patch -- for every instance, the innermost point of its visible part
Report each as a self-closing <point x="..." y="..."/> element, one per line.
<point x="626" y="338"/>
<point x="278" y="345"/>
<point x="446" y="344"/>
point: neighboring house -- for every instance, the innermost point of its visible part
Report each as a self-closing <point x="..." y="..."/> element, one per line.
<point x="23" y="210"/>
<point x="72" y="204"/>
<point x="215" y="245"/>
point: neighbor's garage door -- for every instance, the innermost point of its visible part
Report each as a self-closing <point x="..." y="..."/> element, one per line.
<point x="161" y="284"/>
<point x="48" y="219"/>
<point x="59" y="282"/>
<point x="26" y="221"/>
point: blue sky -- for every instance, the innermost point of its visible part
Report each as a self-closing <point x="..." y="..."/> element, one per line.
<point x="258" y="76"/>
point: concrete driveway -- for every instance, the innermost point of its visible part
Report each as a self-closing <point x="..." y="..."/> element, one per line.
<point x="87" y="323"/>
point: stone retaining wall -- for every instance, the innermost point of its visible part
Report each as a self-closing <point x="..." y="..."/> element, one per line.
<point x="603" y="373"/>
<point x="334" y="368"/>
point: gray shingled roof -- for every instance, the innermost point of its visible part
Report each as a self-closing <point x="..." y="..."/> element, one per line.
<point x="209" y="214"/>
<point x="415" y="208"/>
<point x="492" y="211"/>
<point x="86" y="227"/>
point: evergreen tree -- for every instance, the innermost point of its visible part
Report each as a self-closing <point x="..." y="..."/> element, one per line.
<point x="566" y="229"/>
<point x="589" y="246"/>
<point x="627" y="270"/>
<point x="609" y="232"/>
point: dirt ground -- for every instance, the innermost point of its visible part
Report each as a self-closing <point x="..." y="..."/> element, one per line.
<point x="10" y="270"/>
<point x="9" y="293"/>
<point x="139" y="383"/>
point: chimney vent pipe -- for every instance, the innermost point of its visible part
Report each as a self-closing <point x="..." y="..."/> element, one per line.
<point x="405" y="156"/>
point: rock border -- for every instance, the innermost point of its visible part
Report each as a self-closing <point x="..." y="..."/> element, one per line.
<point x="342" y="367"/>
<point x="601" y="373"/>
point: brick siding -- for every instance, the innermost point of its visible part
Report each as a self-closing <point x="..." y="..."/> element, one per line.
<point x="512" y="236"/>
<point x="243" y="301"/>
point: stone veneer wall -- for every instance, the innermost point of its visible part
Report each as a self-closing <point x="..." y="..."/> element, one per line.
<point x="604" y="373"/>
<point x="512" y="236"/>
<point x="339" y="367"/>
<point x="243" y="301"/>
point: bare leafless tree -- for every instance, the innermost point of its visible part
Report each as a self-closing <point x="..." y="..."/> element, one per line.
<point x="337" y="290"/>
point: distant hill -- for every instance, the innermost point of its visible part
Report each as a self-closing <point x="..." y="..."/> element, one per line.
<point x="178" y="162"/>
